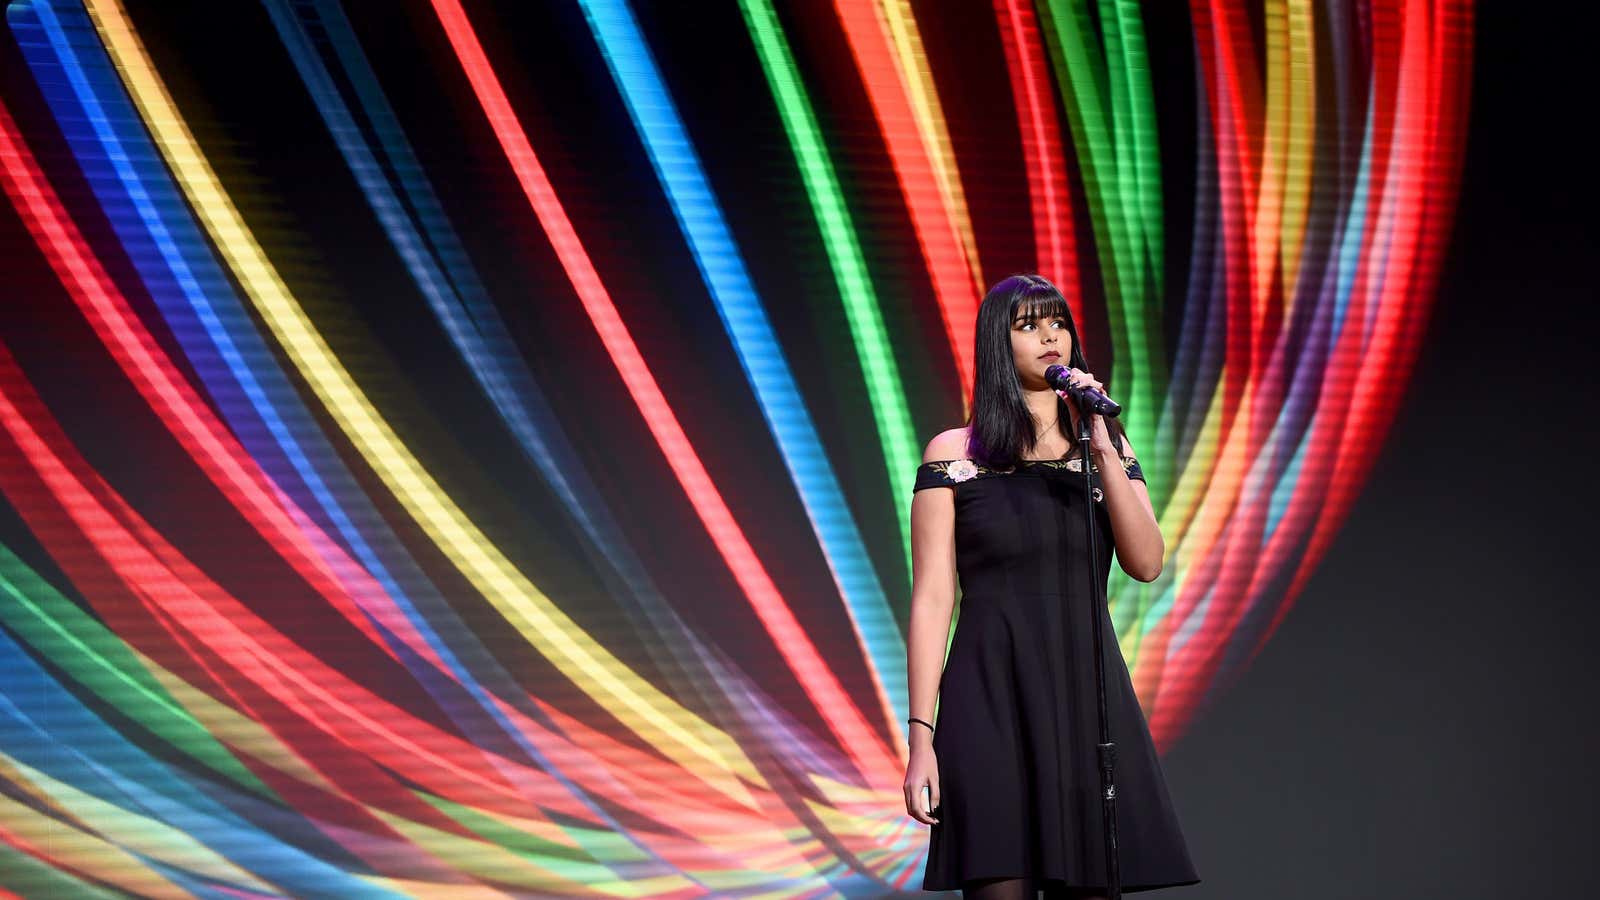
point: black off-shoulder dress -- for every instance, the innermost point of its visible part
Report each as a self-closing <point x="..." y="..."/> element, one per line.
<point x="1017" y="723"/>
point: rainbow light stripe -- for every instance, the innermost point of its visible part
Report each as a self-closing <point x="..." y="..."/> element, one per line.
<point x="356" y="718"/>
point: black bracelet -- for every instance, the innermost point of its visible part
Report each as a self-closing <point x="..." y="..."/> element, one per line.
<point x="915" y="719"/>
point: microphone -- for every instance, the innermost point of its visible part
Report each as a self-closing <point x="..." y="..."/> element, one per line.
<point x="1086" y="396"/>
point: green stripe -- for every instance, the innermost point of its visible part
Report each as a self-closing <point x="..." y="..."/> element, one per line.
<point x="29" y="877"/>
<point x="91" y="655"/>
<point x="886" y="391"/>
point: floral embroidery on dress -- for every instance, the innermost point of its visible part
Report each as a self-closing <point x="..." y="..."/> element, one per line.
<point x="949" y="472"/>
<point x="961" y="470"/>
<point x="1075" y="464"/>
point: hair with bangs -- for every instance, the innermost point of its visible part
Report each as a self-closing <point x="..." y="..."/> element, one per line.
<point x="1001" y="427"/>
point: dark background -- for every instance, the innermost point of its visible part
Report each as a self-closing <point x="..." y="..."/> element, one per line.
<point x="1421" y="724"/>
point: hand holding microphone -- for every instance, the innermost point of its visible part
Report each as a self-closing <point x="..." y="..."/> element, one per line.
<point x="1060" y="378"/>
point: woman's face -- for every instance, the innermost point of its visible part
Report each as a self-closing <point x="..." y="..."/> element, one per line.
<point x="1036" y="345"/>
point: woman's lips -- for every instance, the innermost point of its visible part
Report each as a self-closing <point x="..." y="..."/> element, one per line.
<point x="1051" y="355"/>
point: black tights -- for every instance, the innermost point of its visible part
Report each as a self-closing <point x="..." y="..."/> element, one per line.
<point x="1022" y="889"/>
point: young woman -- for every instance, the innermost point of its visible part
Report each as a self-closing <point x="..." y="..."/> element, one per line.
<point x="1009" y="779"/>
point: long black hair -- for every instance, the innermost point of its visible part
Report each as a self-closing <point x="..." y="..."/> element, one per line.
<point x="1001" y="427"/>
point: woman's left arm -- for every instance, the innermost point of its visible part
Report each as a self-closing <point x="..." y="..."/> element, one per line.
<point x="1140" y="547"/>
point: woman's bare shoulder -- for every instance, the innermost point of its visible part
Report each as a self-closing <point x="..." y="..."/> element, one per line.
<point x="948" y="444"/>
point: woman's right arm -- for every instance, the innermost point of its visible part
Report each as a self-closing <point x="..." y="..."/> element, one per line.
<point x="933" y="597"/>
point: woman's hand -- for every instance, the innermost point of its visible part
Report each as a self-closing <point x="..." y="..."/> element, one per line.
<point x="922" y="771"/>
<point x="1099" y="439"/>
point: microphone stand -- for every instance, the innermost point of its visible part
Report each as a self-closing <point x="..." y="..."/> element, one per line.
<point x="1107" y="749"/>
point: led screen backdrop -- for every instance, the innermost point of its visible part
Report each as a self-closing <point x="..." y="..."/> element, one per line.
<point x="464" y="450"/>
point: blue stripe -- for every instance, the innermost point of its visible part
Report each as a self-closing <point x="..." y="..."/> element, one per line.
<point x="678" y="167"/>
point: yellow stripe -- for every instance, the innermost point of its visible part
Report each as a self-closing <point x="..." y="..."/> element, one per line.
<point x="698" y="747"/>
<point x="1264" y="232"/>
<point x="896" y="18"/>
<point x="108" y="854"/>
<point x="237" y="731"/>
<point x="1302" y="74"/>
